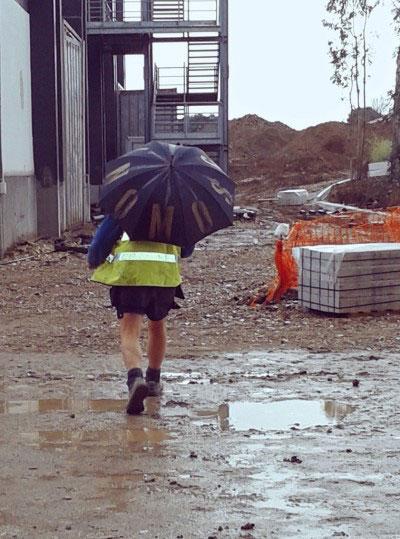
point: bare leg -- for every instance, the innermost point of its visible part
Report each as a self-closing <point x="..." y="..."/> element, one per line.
<point x="130" y="328"/>
<point x="157" y="343"/>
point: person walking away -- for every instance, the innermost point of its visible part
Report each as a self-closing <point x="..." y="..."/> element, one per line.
<point x="144" y="278"/>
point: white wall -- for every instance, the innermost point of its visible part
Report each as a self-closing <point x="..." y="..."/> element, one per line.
<point x="15" y="88"/>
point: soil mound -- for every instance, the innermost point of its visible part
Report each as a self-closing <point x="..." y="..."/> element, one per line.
<point x="370" y="193"/>
<point x="266" y="156"/>
<point x="252" y="137"/>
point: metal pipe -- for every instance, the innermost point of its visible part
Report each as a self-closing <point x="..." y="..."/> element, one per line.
<point x="2" y="180"/>
<point x="3" y="185"/>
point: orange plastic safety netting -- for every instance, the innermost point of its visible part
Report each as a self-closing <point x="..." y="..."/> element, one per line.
<point x="351" y="227"/>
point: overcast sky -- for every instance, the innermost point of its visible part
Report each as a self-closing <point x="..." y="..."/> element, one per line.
<point x="279" y="63"/>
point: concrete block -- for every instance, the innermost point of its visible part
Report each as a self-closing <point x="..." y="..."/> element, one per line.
<point x="381" y="168"/>
<point x="313" y="279"/>
<point x="292" y="197"/>
<point x="350" y="278"/>
<point x="18" y="208"/>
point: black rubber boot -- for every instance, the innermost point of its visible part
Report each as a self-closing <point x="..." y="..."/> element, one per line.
<point x="138" y="391"/>
<point x="153" y="382"/>
<point x="154" y="388"/>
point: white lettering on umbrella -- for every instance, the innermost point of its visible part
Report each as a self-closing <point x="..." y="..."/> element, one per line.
<point x="161" y="226"/>
<point x="117" y="173"/>
<point x="202" y="216"/>
<point x="126" y="203"/>
<point x="218" y="188"/>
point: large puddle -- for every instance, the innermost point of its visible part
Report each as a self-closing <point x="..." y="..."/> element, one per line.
<point x="61" y="405"/>
<point x="278" y="415"/>
<point x="87" y="438"/>
<point x="238" y="415"/>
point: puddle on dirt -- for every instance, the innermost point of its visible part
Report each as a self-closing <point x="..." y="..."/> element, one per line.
<point x="280" y="492"/>
<point x="61" y="405"/>
<point x="81" y="439"/>
<point x="186" y="377"/>
<point x="278" y="415"/>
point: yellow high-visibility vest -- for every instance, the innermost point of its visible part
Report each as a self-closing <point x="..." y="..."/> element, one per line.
<point x="140" y="263"/>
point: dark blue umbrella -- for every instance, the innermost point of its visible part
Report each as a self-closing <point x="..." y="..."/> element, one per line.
<point x="168" y="193"/>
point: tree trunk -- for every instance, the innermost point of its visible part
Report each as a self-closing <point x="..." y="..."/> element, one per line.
<point x="395" y="155"/>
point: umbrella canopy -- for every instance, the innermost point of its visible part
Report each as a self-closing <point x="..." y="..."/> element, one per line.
<point x="168" y="193"/>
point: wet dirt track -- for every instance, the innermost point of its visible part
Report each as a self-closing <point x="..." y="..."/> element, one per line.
<point x="260" y="426"/>
<point x="279" y="440"/>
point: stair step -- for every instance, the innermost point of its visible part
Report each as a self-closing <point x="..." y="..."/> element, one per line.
<point x="193" y="97"/>
<point x="168" y="10"/>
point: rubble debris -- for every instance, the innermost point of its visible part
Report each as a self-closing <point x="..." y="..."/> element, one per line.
<point x="293" y="460"/>
<point x="248" y="526"/>
<point x="282" y="230"/>
<point x="62" y="245"/>
<point x="244" y="214"/>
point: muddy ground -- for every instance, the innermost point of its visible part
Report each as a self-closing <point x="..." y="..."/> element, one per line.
<point x="260" y="431"/>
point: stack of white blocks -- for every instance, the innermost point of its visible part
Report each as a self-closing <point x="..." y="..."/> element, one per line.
<point x="349" y="278"/>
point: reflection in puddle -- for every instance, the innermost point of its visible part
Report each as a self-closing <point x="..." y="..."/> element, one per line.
<point x="59" y="405"/>
<point x="278" y="415"/>
<point x="124" y="437"/>
<point x="152" y="406"/>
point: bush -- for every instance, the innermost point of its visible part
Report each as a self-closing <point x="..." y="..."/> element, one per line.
<point x="380" y="149"/>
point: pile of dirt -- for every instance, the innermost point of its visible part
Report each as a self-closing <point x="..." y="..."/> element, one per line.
<point x="266" y="156"/>
<point x="252" y="137"/>
<point x="371" y="193"/>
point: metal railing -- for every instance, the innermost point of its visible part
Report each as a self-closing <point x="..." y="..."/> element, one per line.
<point x="187" y="121"/>
<point x="170" y="79"/>
<point x="199" y="79"/>
<point x="107" y="11"/>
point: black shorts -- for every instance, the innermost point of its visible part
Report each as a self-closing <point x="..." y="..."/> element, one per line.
<point x="153" y="301"/>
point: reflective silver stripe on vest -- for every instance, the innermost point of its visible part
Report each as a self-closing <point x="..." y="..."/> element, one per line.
<point x="148" y="257"/>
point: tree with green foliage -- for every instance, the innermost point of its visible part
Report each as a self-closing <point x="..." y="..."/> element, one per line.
<point x="350" y="56"/>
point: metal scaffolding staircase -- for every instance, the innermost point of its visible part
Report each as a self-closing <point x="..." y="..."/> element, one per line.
<point x="198" y="81"/>
<point x="185" y="100"/>
<point x="202" y="70"/>
<point x="168" y="10"/>
<point x="185" y="103"/>
<point x="108" y="17"/>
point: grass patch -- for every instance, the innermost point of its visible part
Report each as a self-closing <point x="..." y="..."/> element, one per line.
<point x="380" y="149"/>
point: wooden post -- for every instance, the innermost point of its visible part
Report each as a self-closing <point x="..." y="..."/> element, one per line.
<point x="223" y="113"/>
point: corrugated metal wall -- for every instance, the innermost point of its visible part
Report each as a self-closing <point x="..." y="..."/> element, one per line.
<point x="75" y="188"/>
<point x="16" y="121"/>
